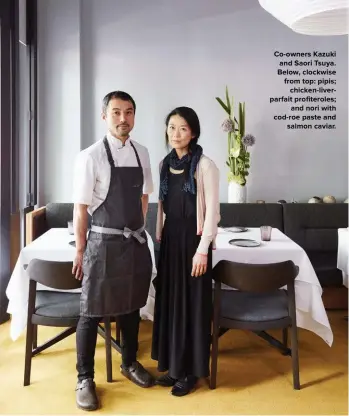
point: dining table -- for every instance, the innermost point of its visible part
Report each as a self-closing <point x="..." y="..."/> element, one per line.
<point x="310" y="311"/>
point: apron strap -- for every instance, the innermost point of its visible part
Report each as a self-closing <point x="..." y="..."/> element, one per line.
<point x="110" y="157"/>
<point x="136" y="153"/>
<point x="126" y="232"/>
<point x="107" y="149"/>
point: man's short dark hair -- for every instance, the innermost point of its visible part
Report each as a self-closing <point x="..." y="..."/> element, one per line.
<point x="121" y="95"/>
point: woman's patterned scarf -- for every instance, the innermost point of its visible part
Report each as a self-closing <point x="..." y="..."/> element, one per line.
<point x="188" y="162"/>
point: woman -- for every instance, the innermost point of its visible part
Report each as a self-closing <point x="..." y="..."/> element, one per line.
<point x="189" y="198"/>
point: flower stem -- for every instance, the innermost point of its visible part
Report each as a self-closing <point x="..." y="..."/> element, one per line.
<point x="234" y="160"/>
<point x="229" y="147"/>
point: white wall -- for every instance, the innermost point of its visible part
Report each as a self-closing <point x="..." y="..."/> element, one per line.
<point x="167" y="53"/>
<point x="59" y="96"/>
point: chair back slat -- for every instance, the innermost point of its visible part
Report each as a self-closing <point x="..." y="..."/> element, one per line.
<point x="54" y="274"/>
<point x="256" y="278"/>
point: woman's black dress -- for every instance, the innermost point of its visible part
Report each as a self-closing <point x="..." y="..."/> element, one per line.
<point x="183" y="303"/>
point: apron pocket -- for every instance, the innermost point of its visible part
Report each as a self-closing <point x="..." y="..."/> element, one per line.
<point x="94" y="261"/>
<point x="117" y="259"/>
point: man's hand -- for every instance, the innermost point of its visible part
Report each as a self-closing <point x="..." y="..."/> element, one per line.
<point x="77" y="265"/>
<point x="80" y="229"/>
<point x="199" y="265"/>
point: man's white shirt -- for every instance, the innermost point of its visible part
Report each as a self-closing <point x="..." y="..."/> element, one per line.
<point x="92" y="170"/>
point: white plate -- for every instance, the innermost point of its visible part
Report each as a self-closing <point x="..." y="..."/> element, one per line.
<point x="236" y="229"/>
<point x="244" y="242"/>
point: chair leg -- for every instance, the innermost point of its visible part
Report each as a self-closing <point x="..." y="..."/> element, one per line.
<point x="117" y="332"/>
<point x="35" y="336"/>
<point x="214" y="357"/>
<point x="28" y="354"/>
<point x="285" y="336"/>
<point x="107" y="329"/>
<point x="295" y="360"/>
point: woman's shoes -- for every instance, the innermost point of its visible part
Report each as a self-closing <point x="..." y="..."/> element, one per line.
<point x="184" y="386"/>
<point x="165" y="381"/>
<point x="180" y="387"/>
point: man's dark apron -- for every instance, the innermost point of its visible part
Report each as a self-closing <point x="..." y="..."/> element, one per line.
<point x="117" y="264"/>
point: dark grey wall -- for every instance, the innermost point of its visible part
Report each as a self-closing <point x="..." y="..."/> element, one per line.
<point x="168" y="53"/>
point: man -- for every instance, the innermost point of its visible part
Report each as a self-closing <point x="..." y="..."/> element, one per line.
<point x="112" y="183"/>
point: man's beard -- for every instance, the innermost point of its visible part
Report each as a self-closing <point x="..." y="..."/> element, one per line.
<point x="123" y="132"/>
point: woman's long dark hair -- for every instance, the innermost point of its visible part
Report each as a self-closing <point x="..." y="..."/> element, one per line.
<point x="192" y="120"/>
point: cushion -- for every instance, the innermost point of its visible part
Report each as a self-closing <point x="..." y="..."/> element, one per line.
<point x="59" y="213"/>
<point x="254" y="307"/>
<point x="57" y="304"/>
<point x="315" y="226"/>
<point x="251" y="215"/>
<point x="325" y="266"/>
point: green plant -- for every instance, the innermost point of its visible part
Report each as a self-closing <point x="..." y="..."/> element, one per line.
<point x="238" y="160"/>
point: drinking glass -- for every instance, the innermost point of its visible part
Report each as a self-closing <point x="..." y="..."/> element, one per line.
<point x="266" y="232"/>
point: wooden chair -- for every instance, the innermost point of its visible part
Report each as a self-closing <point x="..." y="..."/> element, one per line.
<point x="57" y="215"/>
<point x="258" y="304"/>
<point x="52" y="308"/>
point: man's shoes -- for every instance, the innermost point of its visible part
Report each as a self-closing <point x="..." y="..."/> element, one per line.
<point x="184" y="386"/>
<point x="86" y="397"/>
<point x="137" y="374"/>
<point x="165" y="381"/>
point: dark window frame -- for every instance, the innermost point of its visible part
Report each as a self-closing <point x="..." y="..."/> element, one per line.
<point x="9" y="131"/>
<point x="8" y="140"/>
<point x="32" y="42"/>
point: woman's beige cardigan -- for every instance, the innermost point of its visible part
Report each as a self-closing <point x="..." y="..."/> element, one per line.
<point x="208" y="209"/>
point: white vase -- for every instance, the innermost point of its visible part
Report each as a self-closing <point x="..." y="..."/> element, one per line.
<point x="236" y="193"/>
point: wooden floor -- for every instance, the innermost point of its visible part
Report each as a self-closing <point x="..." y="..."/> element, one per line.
<point x="253" y="378"/>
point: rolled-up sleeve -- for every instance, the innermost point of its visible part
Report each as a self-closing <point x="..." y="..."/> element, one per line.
<point x="148" y="186"/>
<point x="212" y="215"/>
<point x="84" y="179"/>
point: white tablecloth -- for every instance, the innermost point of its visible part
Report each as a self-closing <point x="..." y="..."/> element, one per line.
<point x="343" y="253"/>
<point x="311" y="313"/>
<point x="52" y="245"/>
